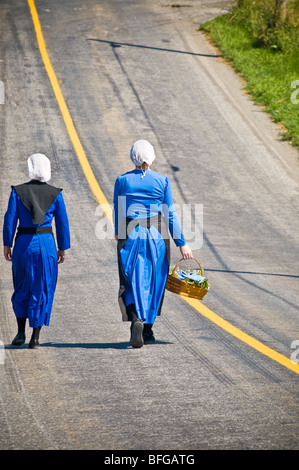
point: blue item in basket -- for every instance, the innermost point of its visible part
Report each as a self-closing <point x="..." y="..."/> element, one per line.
<point x="192" y="276"/>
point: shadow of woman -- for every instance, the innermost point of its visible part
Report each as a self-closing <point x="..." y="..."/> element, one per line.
<point x="121" y="345"/>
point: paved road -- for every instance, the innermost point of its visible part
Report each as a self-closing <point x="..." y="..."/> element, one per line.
<point x="140" y="69"/>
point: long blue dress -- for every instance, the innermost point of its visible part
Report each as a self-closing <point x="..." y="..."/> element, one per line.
<point x="34" y="258"/>
<point x="143" y="207"/>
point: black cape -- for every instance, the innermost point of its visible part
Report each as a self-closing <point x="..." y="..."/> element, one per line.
<point x="37" y="197"/>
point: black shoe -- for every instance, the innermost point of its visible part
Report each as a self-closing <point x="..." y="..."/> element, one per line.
<point x="33" y="344"/>
<point x="148" y="335"/>
<point x="136" y="339"/>
<point x="19" y="339"/>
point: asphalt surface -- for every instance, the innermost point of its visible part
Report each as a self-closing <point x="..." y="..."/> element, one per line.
<point x="129" y="70"/>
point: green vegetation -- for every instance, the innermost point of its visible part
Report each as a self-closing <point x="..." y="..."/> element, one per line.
<point x="261" y="40"/>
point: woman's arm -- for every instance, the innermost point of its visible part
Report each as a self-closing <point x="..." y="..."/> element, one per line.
<point x="173" y="223"/>
<point x="186" y="252"/>
<point x="60" y="256"/>
<point x="62" y="228"/>
<point x="115" y="208"/>
<point x="7" y="253"/>
<point x="10" y="224"/>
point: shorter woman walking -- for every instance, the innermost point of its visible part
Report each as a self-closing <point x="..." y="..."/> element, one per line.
<point x="34" y="258"/>
<point x="144" y="215"/>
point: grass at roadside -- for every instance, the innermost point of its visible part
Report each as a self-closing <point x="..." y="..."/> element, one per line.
<point x="268" y="63"/>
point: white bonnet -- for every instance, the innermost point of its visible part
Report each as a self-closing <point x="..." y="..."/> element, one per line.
<point x="142" y="151"/>
<point x="39" y="167"/>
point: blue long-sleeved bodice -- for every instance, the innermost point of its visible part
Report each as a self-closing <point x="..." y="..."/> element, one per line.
<point x="140" y="195"/>
<point x="17" y="211"/>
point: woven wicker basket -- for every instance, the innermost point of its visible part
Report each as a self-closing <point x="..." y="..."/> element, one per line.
<point x="181" y="287"/>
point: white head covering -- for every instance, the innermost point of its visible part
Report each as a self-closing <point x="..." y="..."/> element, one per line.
<point x="142" y="151"/>
<point x="39" y="167"/>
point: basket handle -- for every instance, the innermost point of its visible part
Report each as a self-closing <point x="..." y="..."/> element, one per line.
<point x="185" y="260"/>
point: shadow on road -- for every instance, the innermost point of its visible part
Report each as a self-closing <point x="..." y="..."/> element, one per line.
<point x="250" y="272"/>
<point x="162" y="49"/>
<point x="121" y="345"/>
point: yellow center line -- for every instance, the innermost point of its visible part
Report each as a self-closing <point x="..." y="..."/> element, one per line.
<point x="100" y="197"/>
<point x="206" y="312"/>
<point x="98" y="193"/>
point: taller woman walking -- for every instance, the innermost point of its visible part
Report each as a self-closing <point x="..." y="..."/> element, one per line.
<point x="144" y="215"/>
<point x="34" y="258"/>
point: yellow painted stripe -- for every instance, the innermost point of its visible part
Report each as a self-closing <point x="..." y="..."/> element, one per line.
<point x="205" y="311"/>
<point x="99" y="195"/>
<point x="201" y="308"/>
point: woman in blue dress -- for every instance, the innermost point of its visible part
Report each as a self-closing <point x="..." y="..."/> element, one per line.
<point x="144" y="214"/>
<point x="34" y="257"/>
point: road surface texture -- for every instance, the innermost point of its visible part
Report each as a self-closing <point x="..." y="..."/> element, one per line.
<point x="131" y="69"/>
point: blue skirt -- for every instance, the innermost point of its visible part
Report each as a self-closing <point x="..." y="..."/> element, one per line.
<point x="35" y="267"/>
<point x="144" y="265"/>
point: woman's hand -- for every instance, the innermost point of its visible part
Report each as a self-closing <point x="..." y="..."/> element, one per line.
<point x="60" y="256"/>
<point x="7" y="253"/>
<point x="186" y="252"/>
